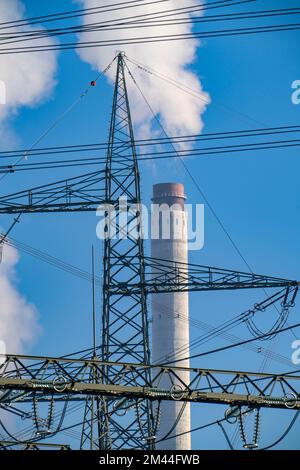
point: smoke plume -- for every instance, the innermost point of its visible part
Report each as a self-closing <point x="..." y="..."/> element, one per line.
<point x="18" y="318"/>
<point x="28" y="78"/>
<point x="180" y="113"/>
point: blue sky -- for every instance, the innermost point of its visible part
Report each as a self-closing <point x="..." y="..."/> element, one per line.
<point x="256" y="194"/>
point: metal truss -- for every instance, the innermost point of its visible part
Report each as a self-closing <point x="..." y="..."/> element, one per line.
<point x="93" y="411"/>
<point x="81" y="193"/>
<point x="119" y="388"/>
<point x="28" y="445"/>
<point x="168" y="276"/>
<point x="23" y="376"/>
<point x="125" y="319"/>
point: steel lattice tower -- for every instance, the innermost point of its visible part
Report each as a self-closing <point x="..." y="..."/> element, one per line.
<point x="125" y="322"/>
<point x="116" y="383"/>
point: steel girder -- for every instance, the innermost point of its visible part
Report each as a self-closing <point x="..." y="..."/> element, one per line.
<point x="163" y="276"/>
<point x="80" y="193"/>
<point x="22" y="376"/>
<point x="28" y="445"/>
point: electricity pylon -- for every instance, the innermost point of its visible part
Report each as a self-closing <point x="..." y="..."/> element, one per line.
<point x="118" y="378"/>
<point x="125" y="335"/>
<point x="125" y="321"/>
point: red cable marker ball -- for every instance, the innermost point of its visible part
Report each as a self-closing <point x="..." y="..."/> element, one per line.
<point x="93" y="83"/>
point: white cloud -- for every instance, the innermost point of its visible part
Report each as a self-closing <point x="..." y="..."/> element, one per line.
<point x="18" y="318"/>
<point x="180" y="113"/>
<point x="29" y="78"/>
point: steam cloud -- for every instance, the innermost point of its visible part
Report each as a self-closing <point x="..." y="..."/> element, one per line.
<point x="18" y="319"/>
<point x="28" y="78"/>
<point x="180" y="113"/>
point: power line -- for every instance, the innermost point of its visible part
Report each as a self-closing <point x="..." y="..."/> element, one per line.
<point x="192" y="138"/>
<point x="61" y="117"/>
<point x="255" y="338"/>
<point x="151" y="39"/>
<point x="221" y="224"/>
<point x="191" y="176"/>
<point x="226" y="435"/>
<point x="198" y="428"/>
<point x="224" y="348"/>
<point x="191" y="91"/>
<point x="85" y="275"/>
<point x="6" y="169"/>
<point x="75" y="13"/>
<point x="130" y="23"/>
<point x="286" y="432"/>
<point x="118" y="7"/>
<point x="220" y="330"/>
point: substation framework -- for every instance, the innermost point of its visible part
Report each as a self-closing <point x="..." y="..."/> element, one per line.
<point x="116" y="382"/>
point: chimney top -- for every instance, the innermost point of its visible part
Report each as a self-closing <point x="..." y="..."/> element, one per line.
<point x="162" y="190"/>
<point x="168" y="193"/>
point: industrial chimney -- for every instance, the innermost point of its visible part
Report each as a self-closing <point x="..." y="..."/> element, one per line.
<point x="170" y="326"/>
